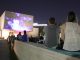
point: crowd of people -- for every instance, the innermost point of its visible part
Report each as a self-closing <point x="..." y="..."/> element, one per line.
<point x="11" y="38"/>
<point x="65" y="36"/>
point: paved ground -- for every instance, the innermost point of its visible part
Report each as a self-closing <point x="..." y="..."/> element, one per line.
<point x="5" y="52"/>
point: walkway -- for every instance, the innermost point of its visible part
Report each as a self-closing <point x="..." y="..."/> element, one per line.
<point x="5" y="53"/>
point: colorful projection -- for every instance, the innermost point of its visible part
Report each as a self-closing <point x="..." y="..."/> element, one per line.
<point x="18" y="22"/>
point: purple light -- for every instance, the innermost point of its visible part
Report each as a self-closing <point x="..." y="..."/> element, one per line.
<point x="7" y="18"/>
<point x="18" y="22"/>
<point x="24" y="18"/>
<point x="17" y="14"/>
<point x="29" y="18"/>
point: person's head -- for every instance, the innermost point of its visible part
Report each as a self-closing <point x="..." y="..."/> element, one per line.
<point x="19" y="33"/>
<point x="51" y="21"/>
<point x="24" y="31"/>
<point x="71" y="16"/>
<point x="12" y="33"/>
<point x="9" y="33"/>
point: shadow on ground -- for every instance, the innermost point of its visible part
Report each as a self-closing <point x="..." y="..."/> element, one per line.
<point x="13" y="56"/>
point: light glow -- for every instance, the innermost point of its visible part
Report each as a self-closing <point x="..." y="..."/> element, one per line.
<point x="18" y="22"/>
<point x="36" y="24"/>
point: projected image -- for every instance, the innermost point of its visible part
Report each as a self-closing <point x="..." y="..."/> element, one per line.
<point x="18" y="22"/>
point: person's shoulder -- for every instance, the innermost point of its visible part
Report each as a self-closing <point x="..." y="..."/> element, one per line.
<point x="13" y="35"/>
<point x="23" y="35"/>
<point x="71" y="23"/>
<point x="63" y="25"/>
<point x="9" y="36"/>
<point x="17" y="35"/>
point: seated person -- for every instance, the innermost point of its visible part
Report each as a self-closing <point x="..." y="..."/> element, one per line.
<point x="71" y="34"/>
<point x="51" y="33"/>
<point x="25" y="37"/>
<point x="19" y="36"/>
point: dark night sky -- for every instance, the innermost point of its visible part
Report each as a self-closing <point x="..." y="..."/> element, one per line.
<point x="42" y="9"/>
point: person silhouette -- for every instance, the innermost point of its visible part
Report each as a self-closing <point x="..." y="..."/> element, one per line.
<point x="51" y="33"/>
<point x="71" y="33"/>
<point x="11" y="40"/>
<point x="19" y="36"/>
<point x="25" y="37"/>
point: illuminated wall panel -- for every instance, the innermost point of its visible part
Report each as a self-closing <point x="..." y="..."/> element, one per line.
<point x="17" y="21"/>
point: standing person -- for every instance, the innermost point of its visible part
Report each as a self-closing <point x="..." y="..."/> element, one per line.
<point x="51" y="33"/>
<point x="11" y="39"/>
<point x="71" y="33"/>
<point x="19" y="36"/>
<point x="25" y="37"/>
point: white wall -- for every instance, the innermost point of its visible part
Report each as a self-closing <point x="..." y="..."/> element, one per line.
<point x="5" y="33"/>
<point x="2" y="21"/>
<point x="34" y="32"/>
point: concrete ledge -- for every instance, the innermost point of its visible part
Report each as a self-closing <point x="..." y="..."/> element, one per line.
<point x="27" y="51"/>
